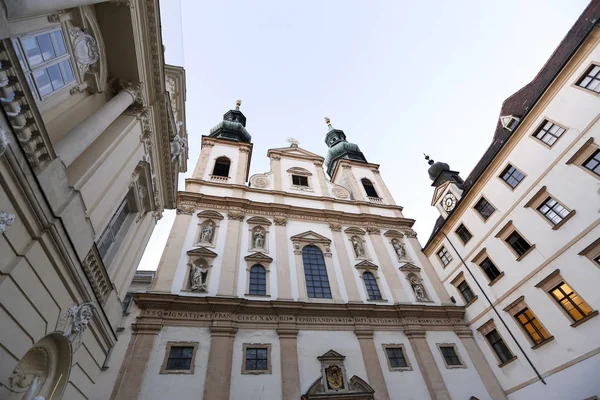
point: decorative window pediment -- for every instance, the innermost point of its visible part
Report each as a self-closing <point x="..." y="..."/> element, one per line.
<point x="258" y="221"/>
<point x="299" y="171"/>
<point x="366" y="265"/>
<point x="354" y="231"/>
<point x="310" y="237"/>
<point x="202" y="252"/>
<point x="393" y="234"/>
<point x="210" y="214"/>
<point x="409" y="267"/>
<point x="258" y="257"/>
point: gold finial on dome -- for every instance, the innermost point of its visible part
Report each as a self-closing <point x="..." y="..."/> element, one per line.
<point x="328" y="121"/>
<point x="238" y="103"/>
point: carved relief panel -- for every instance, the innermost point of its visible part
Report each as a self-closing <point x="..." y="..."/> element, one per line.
<point x="208" y="226"/>
<point x="258" y="236"/>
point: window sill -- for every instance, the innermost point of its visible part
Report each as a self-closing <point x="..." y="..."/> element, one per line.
<point x="526" y="253"/>
<point x="253" y="372"/>
<point x="584" y="319"/>
<point x="471" y="301"/>
<point x="461" y="366"/>
<point x="401" y="369"/>
<point x="543" y="342"/>
<point x="565" y="219"/>
<point x="257" y="295"/>
<point x="377" y="301"/>
<point x="177" y="371"/>
<point x="492" y="283"/>
<point x="501" y="365"/>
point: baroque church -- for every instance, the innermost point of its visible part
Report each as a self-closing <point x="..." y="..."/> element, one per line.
<point x="303" y="282"/>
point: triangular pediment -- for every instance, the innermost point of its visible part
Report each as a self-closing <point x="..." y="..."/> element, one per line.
<point x="258" y="257"/>
<point x="438" y="192"/>
<point x="202" y="252"/>
<point x="366" y="265"/>
<point x="294" y="151"/>
<point x="331" y="355"/>
<point x="409" y="267"/>
<point x="310" y="236"/>
<point x="509" y="121"/>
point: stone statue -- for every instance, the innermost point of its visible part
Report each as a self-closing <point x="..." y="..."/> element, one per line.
<point x="399" y="249"/>
<point x="419" y="289"/>
<point x="198" y="277"/>
<point x="359" y="249"/>
<point x="258" y="239"/>
<point x="177" y="146"/>
<point x="207" y="233"/>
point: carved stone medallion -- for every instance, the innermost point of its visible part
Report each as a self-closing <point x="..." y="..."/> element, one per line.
<point x="260" y="181"/>
<point x="334" y="377"/>
<point x="340" y="193"/>
<point x="85" y="49"/>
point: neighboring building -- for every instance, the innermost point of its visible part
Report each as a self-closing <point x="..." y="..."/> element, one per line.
<point x="296" y="286"/>
<point x="92" y="138"/>
<point x="522" y="230"/>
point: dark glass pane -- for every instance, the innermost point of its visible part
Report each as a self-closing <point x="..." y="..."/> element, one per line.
<point x="369" y="188"/>
<point x="466" y="292"/>
<point x="512" y="176"/>
<point x="396" y="357"/>
<point x="463" y="233"/>
<point x="258" y="281"/>
<point x="58" y="42"/>
<point x="484" y="208"/>
<point x="450" y="355"/>
<point x="221" y="167"/>
<point x="180" y="358"/>
<point x="520" y="245"/>
<point x="315" y="272"/>
<point x="593" y="163"/>
<point x="490" y="269"/>
<point x="371" y="286"/>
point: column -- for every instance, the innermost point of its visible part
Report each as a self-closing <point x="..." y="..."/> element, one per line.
<point x="482" y="367"/>
<point x="133" y="369"/>
<point x="21" y="8"/>
<point x="220" y="356"/>
<point x="231" y="258"/>
<point x="345" y="265"/>
<point x="276" y="171"/>
<point x="372" y="364"/>
<point x="203" y="159"/>
<point x="163" y="281"/>
<point x="76" y="141"/>
<point x="240" y="178"/>
<point x="389" y="270"/>
<point x="429" y="369"/>
<point x="282" y="259"/>
<point x="290" y="374"/>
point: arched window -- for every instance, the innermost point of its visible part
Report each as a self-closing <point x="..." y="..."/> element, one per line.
<point x="371" y="285"/>
<point x="369" y="188"/>
<point x="258" y="280"/>
<point x="315" y="273"/>
<point x="222" y="167"/>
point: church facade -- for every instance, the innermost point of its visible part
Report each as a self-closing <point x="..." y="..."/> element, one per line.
<point x="295" y="286"/>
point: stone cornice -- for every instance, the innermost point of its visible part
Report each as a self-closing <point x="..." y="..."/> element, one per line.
<point x="174" y="310"/>
<point x="199" y="200"/>
<point x="289" y="194"/>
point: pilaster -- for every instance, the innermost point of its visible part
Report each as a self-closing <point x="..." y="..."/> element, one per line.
<point x="200" y="169"/>
<point x="240" y="177"/>
<point x="429" y="369"/>
<point x="346" y="266"/>
<point x="276" y="170"/>
<point x="284" y="282"/>
<point x="290" y="374"/>
<point x="231" y="257"/>
<point x="220" y="357"/>
<point x="372" y="364"/>
<point x="389" y="271"/>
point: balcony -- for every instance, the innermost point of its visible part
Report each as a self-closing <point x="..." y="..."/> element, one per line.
<point x="377" y="200"/>
<point x="218" y="178"/>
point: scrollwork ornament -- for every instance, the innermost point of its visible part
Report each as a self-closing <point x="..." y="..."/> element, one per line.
<point x="282" y="221"/>
<point x="373" y="230"/>
<point x="6" y="219"/>
<point x="410" y="233"/>
<point x="185" y="210"/>
<point x="235" y="215"/>
<point x="334" y="226"/>
<point x="85" y="49"/>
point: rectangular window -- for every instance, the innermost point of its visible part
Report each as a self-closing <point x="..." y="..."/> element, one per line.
<point x="180" y="358"/>
<point x="500" y="348"/>
<point x="127" y="302"/>
<point x="45" y="61"/>
<point x="444" y="256"/>
<point x="549" y="132"/>
<point x="512" y="176"/>
<point x="299" y="180"/>
<point x="451" y="358"/>
<point x="570" y="301"/>
<point x="536" y="332"/>
<point x="484" y="208"/>
<point x="463" y="233"/>
<point x="256" y="359"/>
<point x="553" y="211"/>
<point x="593" y="163"/>
<point x="465" y="292"/>
<point x="490" y="269"/>
<point x="591" y="79"/>
<point x="109" y="236"/>
<point x="396" y="357"/>
<point x="519" y="245"/>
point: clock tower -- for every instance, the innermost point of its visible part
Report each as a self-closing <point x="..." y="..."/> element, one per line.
<point x="448" y="186"/>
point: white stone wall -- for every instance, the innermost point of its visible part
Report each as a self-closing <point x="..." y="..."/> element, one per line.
<point x="221" y="150"/>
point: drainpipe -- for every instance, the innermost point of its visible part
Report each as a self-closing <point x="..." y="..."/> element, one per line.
<point x="496" y="311"/>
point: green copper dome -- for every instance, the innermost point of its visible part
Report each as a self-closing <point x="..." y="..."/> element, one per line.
<point x="233" y="126"/>
<point x="340" y="149"/>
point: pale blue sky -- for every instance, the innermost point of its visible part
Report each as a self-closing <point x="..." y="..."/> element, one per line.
<point x="399" y="77"/>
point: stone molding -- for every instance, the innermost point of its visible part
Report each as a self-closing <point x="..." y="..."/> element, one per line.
<point x="96" y="273"/>
<point x="226" y="315"/>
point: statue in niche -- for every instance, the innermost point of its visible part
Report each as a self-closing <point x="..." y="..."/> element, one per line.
<point x="258" y="238"/>
<point x="206" y="236"/>
<point x="359" y="249"/>
<point x="198" y="276"/>
<point x="418" y="288"/>
<point x="399" y="249"/>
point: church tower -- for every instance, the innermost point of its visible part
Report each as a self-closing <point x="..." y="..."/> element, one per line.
<point x="448" y="186"/>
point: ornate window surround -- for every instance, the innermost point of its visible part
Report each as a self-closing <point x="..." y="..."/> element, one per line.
<point x="487" y="328"/>
<point x="263" y="260"/>
<point x="208" y="215"/>
<point x="592" y="252"/>
<point x="301" y="172"/>
<point x="367" y="266"/>
<point x="255" y="223"/>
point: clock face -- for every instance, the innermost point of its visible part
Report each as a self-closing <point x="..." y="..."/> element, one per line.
<point x="449" y="202"/>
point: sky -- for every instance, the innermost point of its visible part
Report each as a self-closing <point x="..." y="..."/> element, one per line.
<point x="401" y="78"/>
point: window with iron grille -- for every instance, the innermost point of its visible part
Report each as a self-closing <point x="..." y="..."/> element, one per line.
<point x="396" y="357"/>
<point x="519" y="245"/>
<point x="45" y="61"/>
<point x="500" y="348"/>
<point x="593" y="163"/>
<point x="109" y="236"/>
<point x="536" y="332"/>
<point x="484" y="208"/>
<point x="570" y="301"/>
<point x="553" y="211"/>
<point x="258" y="281"/>
<point x="549" y="132"/>
<point x="490" y="269"/>
<point x="465" y="291"/>
<point x="449" y="353"/>
<point x="444" y="256"/>
<point x="371" y="286"/>
<point x="512" y="176"/>
<point x="180" y="358"/>
<point x="315" y="273"/>
<point x="299" y="180"/>
<point x="591" y="79"/>
<point x="463" y="233"/>
<point x="257" y="359"/>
